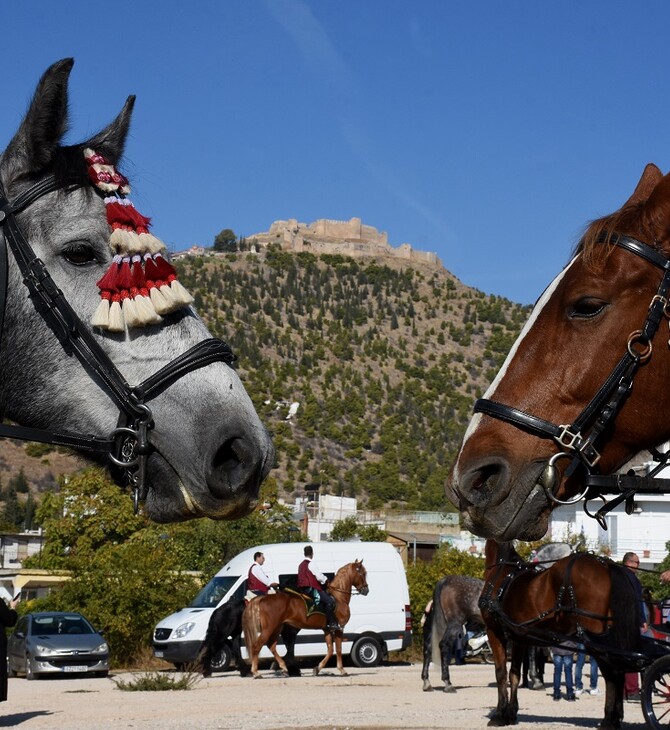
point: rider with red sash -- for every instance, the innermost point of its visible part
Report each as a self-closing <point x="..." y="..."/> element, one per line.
<point x="310" y="580"/>
<point x="258" y="581"/>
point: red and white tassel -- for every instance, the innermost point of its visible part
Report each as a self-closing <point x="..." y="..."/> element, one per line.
<point x="140" y="284"/>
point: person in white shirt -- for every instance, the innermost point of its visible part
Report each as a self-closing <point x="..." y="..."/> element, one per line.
<point x="258" y="581"/>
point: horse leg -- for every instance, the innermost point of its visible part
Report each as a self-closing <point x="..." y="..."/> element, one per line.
<point x="446" y="647"/>
<point x="239" y="660"/>
<point x="613" y="699"/>
<point x="337" y="636"/>
<point x="512" y="709"/>
<point x="329" y="653"/>
<point x="272" y="645"/>
<point x="499" y="651"/>
<point x="289" y="633"/>
<point x="427" y="653"/>
<point x="534" y="681"/>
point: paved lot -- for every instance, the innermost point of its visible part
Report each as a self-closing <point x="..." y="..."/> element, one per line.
<point x="386" y="697"/>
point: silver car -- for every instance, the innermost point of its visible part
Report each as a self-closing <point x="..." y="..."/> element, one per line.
<point x="56" y="643"/>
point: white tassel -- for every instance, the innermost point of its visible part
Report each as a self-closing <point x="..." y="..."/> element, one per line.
<point x="160" y="303"/>
<point x="116" y="323"/>
<point x="130" y="315"/>
<point x="180" y="294"/>
<point x="145" y="311"/>
<point x="100" y="317"/>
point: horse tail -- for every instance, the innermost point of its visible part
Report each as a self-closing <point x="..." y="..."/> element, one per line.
<point x="625" y="606"/>
<point x="251" y="625"/>
<point x="439" y="622"/>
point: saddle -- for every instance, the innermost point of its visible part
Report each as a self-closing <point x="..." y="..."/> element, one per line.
<point x="312" y="605"/>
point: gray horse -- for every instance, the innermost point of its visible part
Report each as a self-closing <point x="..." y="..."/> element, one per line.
<point x="207" y="451"/>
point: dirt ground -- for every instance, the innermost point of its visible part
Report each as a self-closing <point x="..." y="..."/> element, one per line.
<point x="390" y="696"/>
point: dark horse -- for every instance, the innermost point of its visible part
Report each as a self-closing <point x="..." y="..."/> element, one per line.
<point x="580" y="599"/>
<point x="264" y="617"/>
<point x="455" y="603"/>
<point x="225" y="631"/>
<point x="565" y="396"/>
<point x="100" y="349"/>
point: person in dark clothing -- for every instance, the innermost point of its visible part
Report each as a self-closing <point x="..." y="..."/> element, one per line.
<point x="8" y="617"/>
<point x="631" y="687"/>
<point x="311" y="580"/>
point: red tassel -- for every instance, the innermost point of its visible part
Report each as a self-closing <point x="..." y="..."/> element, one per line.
<point x="125" y="280"/>
<point x="150" y="269"/>
<point x="138" y="279"/>
<point x="125" y="215"/>
<point x="164" y="267"/>
<point x="108" y="282"/>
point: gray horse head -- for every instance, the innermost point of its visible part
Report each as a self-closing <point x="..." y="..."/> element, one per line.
<point x="208" y="451"/>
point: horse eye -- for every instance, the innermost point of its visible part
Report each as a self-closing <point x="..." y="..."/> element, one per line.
<point x="78" y="254"/>
<point x="587" y="308"/>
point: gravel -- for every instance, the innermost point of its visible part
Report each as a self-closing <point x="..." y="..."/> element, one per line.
<point x="389" y="696"/>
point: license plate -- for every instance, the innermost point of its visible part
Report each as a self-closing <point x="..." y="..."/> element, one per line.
<point x="159" y="654"/>
<point x="75" y="668"/>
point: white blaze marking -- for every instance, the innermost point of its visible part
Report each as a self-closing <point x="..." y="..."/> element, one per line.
<point x="541" y="303"/>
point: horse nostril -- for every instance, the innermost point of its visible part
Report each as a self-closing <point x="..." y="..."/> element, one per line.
<point x="486" y="476"/>
<point x="231" y="468"/>
<point x="227" y="456"/>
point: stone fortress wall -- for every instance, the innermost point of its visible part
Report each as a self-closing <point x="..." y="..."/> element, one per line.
<point x="349" y="238"/>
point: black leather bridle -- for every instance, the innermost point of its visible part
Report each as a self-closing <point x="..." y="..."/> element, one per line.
<point x="577" y="441"/>
<point x="127" y="446"/>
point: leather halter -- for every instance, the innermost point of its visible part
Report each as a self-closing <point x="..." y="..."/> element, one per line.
<point x="577" y="440"/>
<point x="127" y="446"/>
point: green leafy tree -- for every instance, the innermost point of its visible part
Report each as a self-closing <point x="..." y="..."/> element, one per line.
<point x="349" y="529"/>
<point x="226" y="240"/>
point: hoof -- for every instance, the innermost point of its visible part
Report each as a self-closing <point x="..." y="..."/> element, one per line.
<point x="315" y="671"/>
<point x="450" y="689"/>
<point x="344" y="674"/>
<point x="427" y="687"/>
<point x="206" y="675"/>
<point x="257" y="676"/>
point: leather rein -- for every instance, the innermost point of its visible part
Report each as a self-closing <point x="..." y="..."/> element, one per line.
<point x="577" y="441"/>
<point x="127" y="446"/>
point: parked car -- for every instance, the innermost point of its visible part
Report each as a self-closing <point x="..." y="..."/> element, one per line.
<point x="56" y="643"/>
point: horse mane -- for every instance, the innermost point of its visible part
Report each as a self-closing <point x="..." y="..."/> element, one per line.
<point x="646" y="222"/>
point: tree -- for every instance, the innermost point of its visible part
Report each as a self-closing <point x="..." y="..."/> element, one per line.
<point x="349" y="528"/>
<point x="226" y="240"/>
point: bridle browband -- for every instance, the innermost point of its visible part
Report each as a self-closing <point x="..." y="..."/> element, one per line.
<point x="577" y="441"/>
<point x="127" y="446"/>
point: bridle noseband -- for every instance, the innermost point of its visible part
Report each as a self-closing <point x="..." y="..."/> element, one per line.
<point x="127" y="446"/>
<point x="577" y="441"/>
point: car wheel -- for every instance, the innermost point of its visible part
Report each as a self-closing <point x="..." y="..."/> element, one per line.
<point x="222" y="659"/>
<point x="101" y="675"/>
<point x="366" y="652"/>
<point x="30" y="671"/>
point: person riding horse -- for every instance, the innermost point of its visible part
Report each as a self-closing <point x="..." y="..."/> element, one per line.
<point x="258" y="581"/>
<point x="310" y="579"/>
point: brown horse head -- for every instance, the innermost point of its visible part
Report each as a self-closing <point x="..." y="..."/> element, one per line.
<point x="353" y="575"/>
<point x="579" y="331"/>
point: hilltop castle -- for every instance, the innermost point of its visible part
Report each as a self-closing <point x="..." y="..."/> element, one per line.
<point x="349" y="238"/>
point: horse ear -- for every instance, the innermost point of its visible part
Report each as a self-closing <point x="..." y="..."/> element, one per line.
<point x="112" y="140"/>
<point x="33" y="147"/>
<point x="657" y="212"/>
<point x="651" y="177"/>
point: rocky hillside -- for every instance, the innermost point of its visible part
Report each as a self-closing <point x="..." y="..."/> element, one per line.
<point x="364" y="370"/>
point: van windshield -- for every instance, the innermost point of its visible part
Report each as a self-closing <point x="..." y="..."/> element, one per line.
<point x="214" y="591"/>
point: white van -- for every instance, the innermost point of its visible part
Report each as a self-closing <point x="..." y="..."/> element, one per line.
<point x="380" y="622"/>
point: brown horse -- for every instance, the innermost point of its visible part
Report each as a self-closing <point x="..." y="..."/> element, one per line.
<point x="264" y="617"/>
<point x="562" y="408"/>
<point x="580" y="599"/>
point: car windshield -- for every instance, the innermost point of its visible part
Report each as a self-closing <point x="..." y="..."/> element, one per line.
<point x="214" y="591"/>
<point x="55" y="625"/>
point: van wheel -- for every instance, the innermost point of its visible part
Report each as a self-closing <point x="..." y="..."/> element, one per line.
<point x="222" y="659"/>
<point x="366" y="652"/>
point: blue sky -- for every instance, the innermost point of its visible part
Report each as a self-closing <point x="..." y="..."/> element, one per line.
<point x="489" y="132"/>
